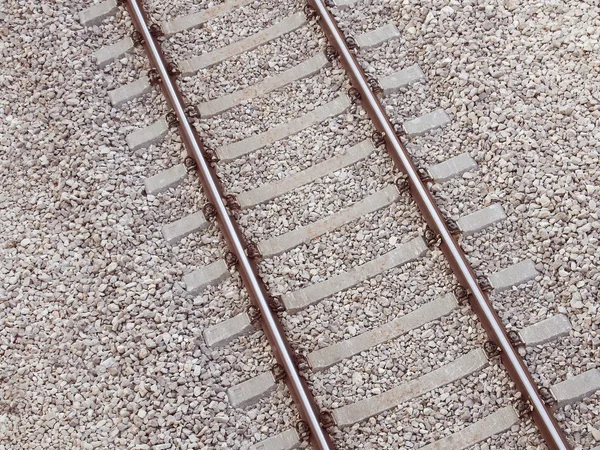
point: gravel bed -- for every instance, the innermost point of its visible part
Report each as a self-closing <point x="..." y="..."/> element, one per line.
<point x="242" y="359"/>
<point x="327" y="196"/>
<point x="297" y="152"/>
<point x="523" y="435"/>
<point x="426" y="150"/>
<point x="516" y="309"/>
<point x="262" y="113"/>
<point x="123" y="70"/>
<point x="387" y="58"/>
<point x="241" y="22"/>
<point x="411" y="102"/>
<point x="163" y="155"/>
<point x="101" y="345"/>
<point x="249" y="68"/>
<point x="268" y="60"/>
<point x="167" y="10"/>
<point x="109" y="31"/>
<point x="180" y="201"/>
<point x="224" y="300"/>
<point x="370" y="304"/>
<point x="442" y="412"/>
<point x="461" y="195"/>
<point x="414" y="354"/>
<point x="354" y="244"/>
<point x="582" y="422"/>
<point x="556" y="361"/>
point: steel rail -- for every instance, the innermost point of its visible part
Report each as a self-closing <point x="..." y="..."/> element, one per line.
<point x="515" y="365"/>
<point x="272" y="327"/>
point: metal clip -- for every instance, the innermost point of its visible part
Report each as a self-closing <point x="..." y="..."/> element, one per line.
<point x="351" y="43"/>
<point x="331" y="53"/>
<point x="484" y="283"/>
<point x="354" y="95"/>
<point x="252" y="250"/>
<point x="431" y="238"/>
<point x="378" y="138"/>
<point x="190" y="166"/>
<point x="137" y="38"/>
<point x="326" y="419"/>
<point x="548" y="397"/>
<point x="156" y="31"/>
<point x="462" y="295"/>
<point x="230" y="259"/>
<point x="172" y="119"/>
<point x="303" y="430"/>
<point x="276" y="304"/>
<point x="491" y="349"/>
<point x="209" y="210"/>
<point x="515" y="338"/>
<point x="278" y="372"/>
<point x="523" y="408"/>
<point x="253" y="314"/>
<point x="310" y="13"/>
<point x="399" y="130"/>
<point x="192" y="113"/>
<point x="453" y="227"/>
<point x="403" y="184"/>
<point x="210" y="155"/>
<point x="153" y="77"/>
<point x="172" y="69"/>
<point x="231" y="202"/>
<point x="424" y="175"/>
<point x="375" y="86"/>
<point x="300" y="360"/>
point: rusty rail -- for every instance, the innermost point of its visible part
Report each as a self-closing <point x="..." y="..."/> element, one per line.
<point x="235" y="240"/>
<point x="479" y="300"/>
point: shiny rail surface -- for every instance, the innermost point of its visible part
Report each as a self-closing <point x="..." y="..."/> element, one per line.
<point x="479" y="300"/>
<point x="247" y="269"/>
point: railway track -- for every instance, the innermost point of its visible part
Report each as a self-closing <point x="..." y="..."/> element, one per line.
<point x="342" y="252"/>
<point x="243" y="254"/>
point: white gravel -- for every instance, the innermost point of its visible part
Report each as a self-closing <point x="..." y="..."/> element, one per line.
<point x="349" y="246"/>
<point x="384" y="367"/>
<point x="327" y="196"/>
<point x="167" y="10"/>
<point x="430" y="416"/>
<point x="101" y="345"/>
<point x="261" y="113"/>
<point x="438" y="414"/>
<point x="297" y="152"/>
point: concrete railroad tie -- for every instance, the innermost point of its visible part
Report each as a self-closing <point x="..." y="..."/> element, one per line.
<point x="166" y="179"/>
<point x="95" y="14"/>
